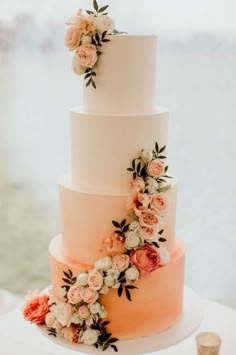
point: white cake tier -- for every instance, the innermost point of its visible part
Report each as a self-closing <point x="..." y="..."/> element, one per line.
<point x="103" y="147"/>
<point x="86" y="219"/>
<point x="125" y="76"/>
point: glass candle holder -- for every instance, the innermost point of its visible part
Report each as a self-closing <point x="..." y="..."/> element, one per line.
<point x="208" y="344"/>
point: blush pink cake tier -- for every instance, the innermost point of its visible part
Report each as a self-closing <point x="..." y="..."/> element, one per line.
<point x="114" y="123"/>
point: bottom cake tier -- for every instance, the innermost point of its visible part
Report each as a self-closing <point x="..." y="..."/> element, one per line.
<point x="156" y="304"/>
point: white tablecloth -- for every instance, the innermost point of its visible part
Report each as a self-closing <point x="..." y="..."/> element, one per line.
<point x="18" y="337"/>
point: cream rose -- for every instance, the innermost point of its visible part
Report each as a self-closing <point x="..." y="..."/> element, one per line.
<point x="95" y="280"/>
<point x="134" y="226"/>
<point x="146" y="156"/>
<point x="84" y="312"/>
<point x="104" y="23"/>
<point x="77" y="67"/>
<point x="132" y="274"/>
<point x="90" y="336"/>
<point x="95" y="308"/>
<point x="72" y="38"/>
<point x="56" y="295"/>
<point x="109" y="281"/>
<point x="159" y="202"/>
<point x="164" y="255"/>
<point x="152" y="185"/>
<point x="63" y="313"/>
<point x="88" y="295"/>
<point x="155" y="168"/>
<point x="74" y="294"/>
<point x="104" y="263"/>
<point x="82" y="279"/>
<point x="132" y="240"/>
<point x="120" y="262"/>
<point x="86" y="55"/>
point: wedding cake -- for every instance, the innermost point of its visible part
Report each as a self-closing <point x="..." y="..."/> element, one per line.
<point x="117" y="267"/>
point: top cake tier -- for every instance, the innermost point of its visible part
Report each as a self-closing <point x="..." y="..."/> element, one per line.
<point x="125" y="77"/>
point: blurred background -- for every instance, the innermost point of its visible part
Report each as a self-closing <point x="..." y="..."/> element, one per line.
<point x="196" y="81"/>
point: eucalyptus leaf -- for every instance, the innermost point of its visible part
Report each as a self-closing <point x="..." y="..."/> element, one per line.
<point x="120" y="290"/>
<point x="162" y="240"/>
<point x="95" y="5"/>
<point x="102" y="9"/>
<point x="157" y="147"/>
<point x="128" y="295"/>
<point x="162" y="149"/>
<point x="116" y="224"/>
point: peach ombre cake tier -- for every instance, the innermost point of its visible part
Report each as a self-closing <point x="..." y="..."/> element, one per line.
<point x="117" y="268"/>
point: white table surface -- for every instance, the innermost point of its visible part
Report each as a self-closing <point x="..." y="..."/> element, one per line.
<point x="18" y="337"/>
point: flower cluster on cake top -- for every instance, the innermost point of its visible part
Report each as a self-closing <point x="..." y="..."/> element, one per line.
<point x="85" y="36"/>
<point x="75" y="310"/>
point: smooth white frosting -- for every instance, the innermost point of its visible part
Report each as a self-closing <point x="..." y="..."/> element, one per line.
<point x="126" y="73"/>
<point x="103" y="146"/>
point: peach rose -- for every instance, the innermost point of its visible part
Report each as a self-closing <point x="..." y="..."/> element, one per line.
<point x="155" y="168"/>
<point x="84" y="23"/>
<point x="63" y="313"/>
<point x="84" y="312"/>
<point x="120" y="262"/>
<point x="56" y="295"/>
<point x="72" y="38"/>
<point x="146" y="259"/>
<point x="159" y="202"/>
<point x="51" y="321"/>
<point x="138" y="184"/>
<point x="70" y="334"/>
<point x="88" y="295"/>
<point x="74" y="294"/>
<point x="148" y="233"/>
<point x="95" y="280"/>
<point x="86" y="55"/>
<point x="148" y="218"/>
<point x="114" y="245"/>
<point x="36" y="309"/>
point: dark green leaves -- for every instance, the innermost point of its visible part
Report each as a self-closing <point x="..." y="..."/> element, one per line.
<point x="105" y="339"/>
<point x="137" y="168"/>
<point x="52" y="332"/>
<point x="68" y="279"/>
<point x="95" y="5"/>
<point x="122" y="227"/>
<point x="125" y="288"/>
<point x="103" y="8"/>
<point x="89" y="75"/>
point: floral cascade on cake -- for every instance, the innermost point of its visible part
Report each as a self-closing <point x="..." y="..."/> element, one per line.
<point x="75" y="310"/>
<point x="86" y="35"/>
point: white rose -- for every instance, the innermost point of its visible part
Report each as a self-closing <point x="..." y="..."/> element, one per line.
<point x="104" y="23"/>
<point x="63" y="313"/>
<point x="104" y="290"/>
<point x="132" y="274"/>
<point x="114" y="273"/>
<point x="164" y="255"/>
<point x="103" y="312"/>
<point x="76" y="318"/>
<point x="90" y="336"/>
<point x="76" y="67"/>
<point x="152" y="185"/>
<point x="109" y="281"/>
<point x="95" y="308"/>
<point x="104" y="264"/>
<point x="132" y="240"/>
<point x="146" y="156"/>
<point x="82" y="279"/>
<point x="134" y="226"/>
<point x="86" y="40"/>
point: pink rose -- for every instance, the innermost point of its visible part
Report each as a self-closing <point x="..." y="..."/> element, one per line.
<point x="51" y="322"/>
<point x="63" y="313"/>
<point x="148" y="218"/>
<point x="88" y="295"/>
<point x="137" y="201"/>
<point x="70" y="334"/>
<point x="84" y="312"/>
<point x="138" y="184"/>
<point x="56" y="295"/>
<point x="36" y="309"/>
<point x="146" y="259"/>
<point x="148" y="233"/>
<point x="114" y="245"/>
<point x="159" y="202"/>
<point x="95" y="280"/>
<point x="72" y="38"/>
<point x="155" y="168"/>
<point x="74" y="294"/>
<point x="120" y="262"/>
<point x="87" y="55"/>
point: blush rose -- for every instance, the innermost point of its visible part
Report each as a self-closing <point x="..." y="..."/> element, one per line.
<point x="120" y="262"/>
<point x="63" y="313"/>
<point x="86" y="55"/>
<point x="138" y="184"/>
<point x="72" y="38"/>
<point x="159" y="202"/>
<point x="146" y="259"/>
<point x="88" y="295"/>
<point x="155" y="168"/>
<point x="95" y="280"/>
<point x="74" y="294"/>
<point x="36" y="309"/>
<point x="148" y="218"/>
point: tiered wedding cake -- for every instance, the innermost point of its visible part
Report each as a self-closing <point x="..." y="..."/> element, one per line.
<point x="129" y="262"/>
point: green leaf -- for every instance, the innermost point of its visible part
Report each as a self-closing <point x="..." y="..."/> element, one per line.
<point x="133" y="164"/>
<point x="131" y="287"/>
<point x="97" y="37"/>
<point x="106" y="40"/>
<point x="112" y="340"/>
<point x="70" y="272"/>
<point x="157" y="147"/>
<point x="89" y="82"/>
<point x="130" y="169"/>
<point x="94" y="85"/>
<point x="134" y="175"/>
<point x="161" y="157"/>
<point x="89" y="12"/>
<point x="66" y="287"/>
<point x="96" y="345"/>
<point x="166" y="168"/>
<point x="102" y="9"/>
<point x="139" y="167"/>
<point x="116" y="224"/>
<point x="88" y="75"/>
<point x="104" y="34"/>
<point x="105" y="347"/>
<point x="114" y="348"/>
<point x="128" y="295"/>
<point x="120" y="290"/>
<point x="126" y="228"/>
<point x="155" y="244"/>
<point x="162" y="240"/>
<point x="67" y="274"/>
<point x="162" y="149"/>
<point x="106" y="322"/>
<point x="161" y="231"/>
<point x="95" y="5"/>
<point x="99" y="52"/>
<point x="123" y="223"/>
<point x="93" y="73"/>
